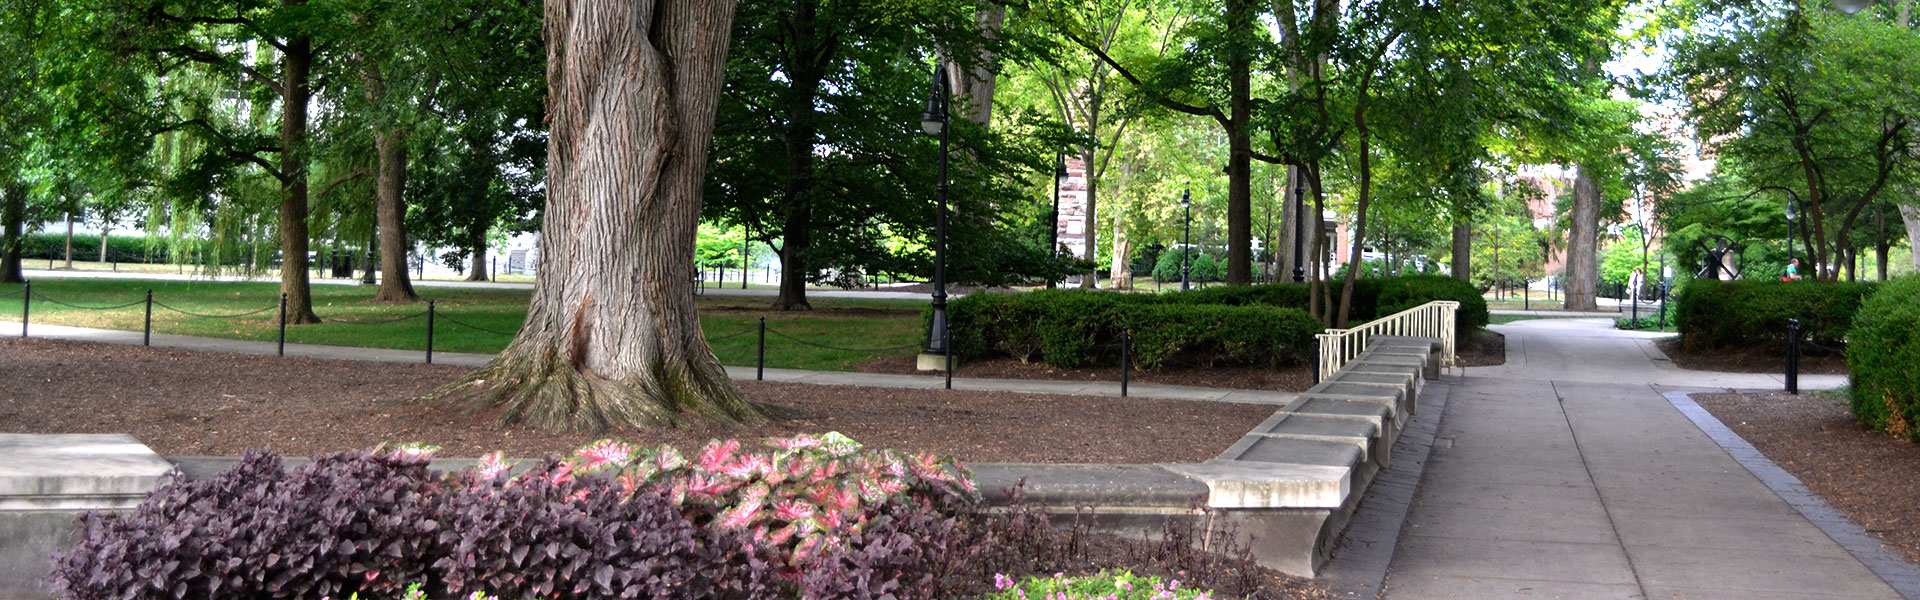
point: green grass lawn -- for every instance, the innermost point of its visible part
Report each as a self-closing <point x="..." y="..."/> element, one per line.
<point x="871" y="328"/>
<point x="1501" y="319"/>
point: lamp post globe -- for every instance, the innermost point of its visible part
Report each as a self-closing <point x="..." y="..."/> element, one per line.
<point x="1793" y="217"/>
<point x="934" y="122"/>
<point x="1186" y="243"/>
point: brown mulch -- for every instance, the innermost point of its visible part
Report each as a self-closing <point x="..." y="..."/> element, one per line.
<point x="1482" y="349"/>
<point x="1752" y="359"/>
<point x="1485" y="348"/>
<point x="1872" y="477"/>
<point x="181" y="402"/>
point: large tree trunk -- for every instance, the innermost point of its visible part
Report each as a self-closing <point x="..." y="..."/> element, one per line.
<point x="1583" y="242"/>
<point x="1122" y="270"/>
<point x="106" y="228"/>
<point x="1092" y="219"/>
<point x="975" y="86"/>
<point x="69" y="252"/>
<point x="1240" y="19"/>
<point x="807" y="59"/>
<point x="297" y="58"/>
<point x="1910" y="215"/>
<point x="611" y="338"/>
<point x="1462" y="249"/>
<point x="1882" y="243"/>
<point x="1290" y="215"/>
<point x="479" y="270"/>
<point x="390" y="207"/>
<point x="13" y="221"/>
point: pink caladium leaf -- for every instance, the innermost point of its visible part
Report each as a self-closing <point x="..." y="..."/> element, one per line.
<point x="492" y="465"/>
<point x="603" y="454"/>
<point x="792" y="510"/>
<point x="798" y="442"/>
<point x="717" y="455"/>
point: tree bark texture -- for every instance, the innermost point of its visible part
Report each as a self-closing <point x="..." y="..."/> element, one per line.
<point x="611" y="338"/>
<point x="390" y="208"/>
<point x="807" y="59"/>
<point x="975" y="86"/>
<point x="13" y="218"/>
<point x="1462" y="249"/>
<point x="1583" y="240"/>
<point x="1910" y="216"/>
<point x="479" y="270"/>
<point x="296" y="58"/>
<point x="1092" y="220"/>
<point x="69" y="250"/>
<point x="1240" y="19"/>
<point x="1122" y="270"/>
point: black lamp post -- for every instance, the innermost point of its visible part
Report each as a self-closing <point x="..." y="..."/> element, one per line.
<point x="1053" y="226"/>
<point x="1299" y="218"/>
<point x="934" y="122"/>
<point x="1186" y="246"/>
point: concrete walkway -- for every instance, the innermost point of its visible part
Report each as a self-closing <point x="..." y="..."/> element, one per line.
<point x="1076" y="388"/>
<point x="1567" y="474"/>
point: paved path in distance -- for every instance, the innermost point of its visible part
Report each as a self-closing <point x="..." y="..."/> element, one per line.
<point x="1036" y="386"/>
<point x="1566" y="473"/>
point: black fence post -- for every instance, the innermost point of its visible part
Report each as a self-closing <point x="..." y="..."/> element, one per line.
<point x="1126" y="358"/>
<point x="1663" y="306"/>
<point x="1526" y="295"/>
<point x="1793" y="356"/>
<point x="430" y="304"/>
<point x="283" y="323"/>
<point x="146" y="329"/>
<point x="946" y="337"/>
<point x="26" y="307"/>
<point x="760" y="356"/>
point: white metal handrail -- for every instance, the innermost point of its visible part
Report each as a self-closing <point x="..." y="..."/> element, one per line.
<point x="1431" y="320"/>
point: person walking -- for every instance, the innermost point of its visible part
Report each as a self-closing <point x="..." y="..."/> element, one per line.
<point x="1793" y="271"/>
<point x="1634" y="281"/>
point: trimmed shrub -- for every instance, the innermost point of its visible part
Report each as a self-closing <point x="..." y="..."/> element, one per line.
<point x="1211" y="334"/>
<point x="1400" y="293"/>
<point x="1883" y="353"/>
<point x="1205" y="268"/>
<point x="1716" y="314"/>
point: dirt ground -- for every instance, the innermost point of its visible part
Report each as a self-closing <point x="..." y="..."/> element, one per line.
<point x="1753" y="359"/>
<point x="1872" y="477"/>
<point x="199" y="403"/>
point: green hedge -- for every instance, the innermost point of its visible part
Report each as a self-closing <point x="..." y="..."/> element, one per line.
<point x="1717" y="314"/>
<point x="1883" y="353"/>
<point x="1240" y="324"/>
<point x="86" y="247"/>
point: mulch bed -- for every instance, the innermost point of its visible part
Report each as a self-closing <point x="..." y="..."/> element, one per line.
<point x="1752" y="359"/>
<point x="1872" y="477"/>
<point x="181" y="402"/>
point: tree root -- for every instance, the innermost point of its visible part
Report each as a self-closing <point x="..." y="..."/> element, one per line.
<point x="541" y="389"/>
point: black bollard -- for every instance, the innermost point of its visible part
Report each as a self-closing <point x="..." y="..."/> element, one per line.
<point x="146" y="330"/>
<point x="760" y="360"/>
<point x="283" y="323"/>
<point x="1793" y="356"/>
<point x="430" y="331"/>
<point x="946" y="335"/>
<point x="1126" y="358"/>
<point x="26" y="307"/>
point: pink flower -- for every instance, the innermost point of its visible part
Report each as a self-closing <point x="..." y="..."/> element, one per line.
<point x="1001" y="581"/>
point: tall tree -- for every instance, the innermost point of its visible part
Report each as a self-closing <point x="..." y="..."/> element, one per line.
<point x="611" y="338"/>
